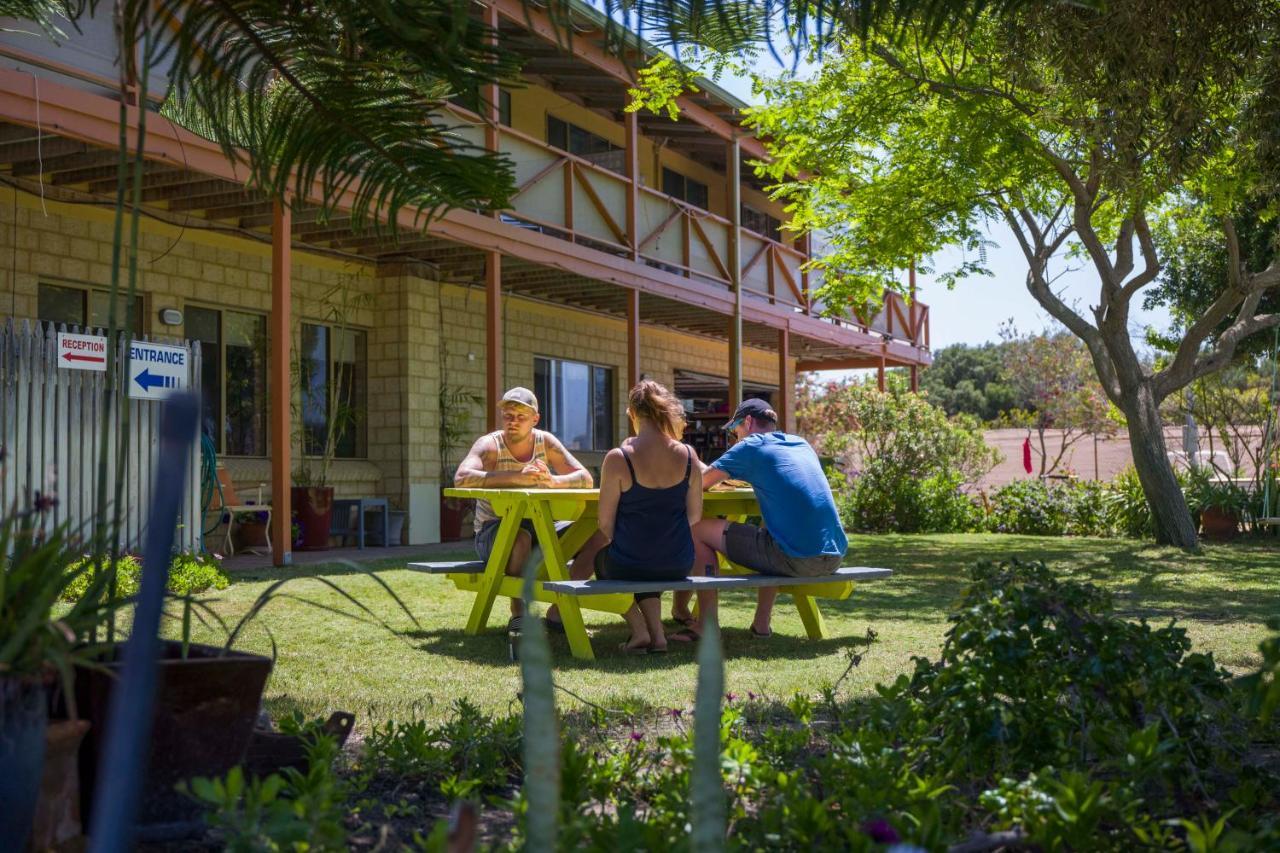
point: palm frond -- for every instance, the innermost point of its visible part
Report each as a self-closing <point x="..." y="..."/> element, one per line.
<point x="346" y="95"/>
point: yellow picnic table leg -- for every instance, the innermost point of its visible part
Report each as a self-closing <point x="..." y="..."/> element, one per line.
<point x="496" y="567"/>
<point x="575" y="630"/>
<point x="811" y="616"/>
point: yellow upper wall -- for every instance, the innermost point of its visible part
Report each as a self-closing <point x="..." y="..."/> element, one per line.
<point x="532" y="104"/>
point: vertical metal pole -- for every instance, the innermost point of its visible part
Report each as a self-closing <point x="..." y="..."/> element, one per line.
<point x="492" y="336"/>
<point x="123" y="768"/>
<point x="785" y="407"/>
<point x="493" y="260"/>
<point x="733" y="200"/>
<point x="280" y="383"/>
<point x="632" y="124"/>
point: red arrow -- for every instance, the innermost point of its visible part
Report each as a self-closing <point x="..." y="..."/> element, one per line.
<point x="97" y="358"/>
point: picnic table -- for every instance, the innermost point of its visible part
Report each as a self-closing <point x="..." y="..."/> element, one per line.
<point x="545" y="507"/>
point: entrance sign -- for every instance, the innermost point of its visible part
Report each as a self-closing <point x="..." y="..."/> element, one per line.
<point x="82" y="352"/>
<point x="156" y="370"/>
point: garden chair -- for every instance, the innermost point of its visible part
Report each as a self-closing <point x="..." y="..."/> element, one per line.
<point x="226" y="502"/>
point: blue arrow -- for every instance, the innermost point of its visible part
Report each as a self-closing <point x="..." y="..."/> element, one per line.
<point x="146" y="381"/>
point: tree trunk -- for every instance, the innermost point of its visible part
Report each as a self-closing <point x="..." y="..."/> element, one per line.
<point x="1169" y="512"/>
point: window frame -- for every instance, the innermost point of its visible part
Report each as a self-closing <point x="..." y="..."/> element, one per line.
<point x="362" y="433"/>
<point x="599" y="444"/>
<point x="221" y="311"/>
<point x="86" y="292"/>
<point x="685" y="183"/>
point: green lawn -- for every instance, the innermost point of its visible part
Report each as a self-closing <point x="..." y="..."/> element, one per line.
<point x="326" y="662"/>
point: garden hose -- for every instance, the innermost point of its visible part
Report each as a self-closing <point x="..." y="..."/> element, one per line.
<point x="209" y="485"/>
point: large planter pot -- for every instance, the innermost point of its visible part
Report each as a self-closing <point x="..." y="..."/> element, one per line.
<point x="1217" y="524"/>
<point x="313" y="507"/>
<point x="24" y="709"/>
<point x="453" y="513"/>
<point x="58" y="817"/>
<point x="205" y="708"/>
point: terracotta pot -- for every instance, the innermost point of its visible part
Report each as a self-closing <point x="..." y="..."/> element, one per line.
<point x="1217" y="524"/>
<point x="249" y="534"/>
<point x="453" y="514"/>
<point x="24" y="708"/>
<point x="58" y="817"/>
<point x="313" y="507"/>
<point x="205" y="709"/>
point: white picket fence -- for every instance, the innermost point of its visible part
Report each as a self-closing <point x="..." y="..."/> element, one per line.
<point x="51" y="432"/>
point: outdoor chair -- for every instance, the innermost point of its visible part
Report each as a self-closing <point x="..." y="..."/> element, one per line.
<point x="227" y="502"/>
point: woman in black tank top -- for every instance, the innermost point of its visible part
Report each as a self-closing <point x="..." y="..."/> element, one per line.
<point x="650" y="496"/>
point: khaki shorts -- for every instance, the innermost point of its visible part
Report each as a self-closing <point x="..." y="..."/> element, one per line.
<point x="754" y="548"/>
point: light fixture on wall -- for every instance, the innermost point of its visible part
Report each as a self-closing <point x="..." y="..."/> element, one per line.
<point x="170" y="316"/>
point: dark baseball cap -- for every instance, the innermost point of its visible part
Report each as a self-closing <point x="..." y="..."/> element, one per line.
<point x="754" y="407"/>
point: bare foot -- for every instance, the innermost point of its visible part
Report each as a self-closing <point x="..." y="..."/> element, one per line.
<point x="637" y="645"/>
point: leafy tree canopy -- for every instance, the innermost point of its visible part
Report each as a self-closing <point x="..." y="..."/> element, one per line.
<point x="971" y="380"/>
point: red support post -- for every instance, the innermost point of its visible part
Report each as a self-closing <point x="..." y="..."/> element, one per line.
<point x="281" y="335"/>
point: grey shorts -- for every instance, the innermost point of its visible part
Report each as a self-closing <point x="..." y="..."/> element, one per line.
<point x="754" y="548"/>
<point x="488" y="532"/>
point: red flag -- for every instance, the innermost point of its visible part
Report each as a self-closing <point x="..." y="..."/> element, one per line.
<point x="1026" y="454"/>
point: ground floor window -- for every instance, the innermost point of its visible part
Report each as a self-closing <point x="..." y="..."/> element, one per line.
<point x="233" y="378"/>
<point x="86" y="307"/>
<point x="576" y="401"/>
<point x="333" y="378"/>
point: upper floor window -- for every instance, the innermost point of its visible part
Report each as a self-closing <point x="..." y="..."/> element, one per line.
<point x="86" y="307"/>
<point x="333" y="375"/>
<point x="761" y="223"/>
<point x="576" y="401"/>
<point x="470" y="100"/>
<point x="583" y="143"/>
<point x="678" y="186"/>
<point x="233" y="378"/>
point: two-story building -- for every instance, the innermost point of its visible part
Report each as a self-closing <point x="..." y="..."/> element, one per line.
<point x="637" y="246"/>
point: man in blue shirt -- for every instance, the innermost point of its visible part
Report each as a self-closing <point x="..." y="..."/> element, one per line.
<point x="802" y="536"/>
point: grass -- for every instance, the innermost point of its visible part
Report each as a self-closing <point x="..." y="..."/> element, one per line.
<point x="327" y="662"/>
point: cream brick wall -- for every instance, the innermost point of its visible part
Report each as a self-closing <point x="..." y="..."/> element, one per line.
<point x="418" y="330"/>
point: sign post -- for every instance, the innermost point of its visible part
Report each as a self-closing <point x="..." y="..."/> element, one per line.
<point x="82" y="352"/>
<point x="156" y="370"/>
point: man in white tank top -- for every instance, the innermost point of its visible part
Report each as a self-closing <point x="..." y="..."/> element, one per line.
<point x="517" y="456"/>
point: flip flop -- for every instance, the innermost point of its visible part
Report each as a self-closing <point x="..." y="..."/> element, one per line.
<point x="687" y="621"/>
<point x="654" y="650"/>
<point x="685" y="635"/>
<point x="627" y="649"/>
<point x="761" y="635"/>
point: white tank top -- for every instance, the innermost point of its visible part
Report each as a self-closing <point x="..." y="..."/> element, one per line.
<point x="508" y="462"/>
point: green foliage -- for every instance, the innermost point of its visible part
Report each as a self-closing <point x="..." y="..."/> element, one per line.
<point x="1127" y="507"/>
<point x="189" y="574"/>
<point x="1031" y="507"/>
<point x="36" y="569"/>
<point x="1264" y="685"/>
<point x="904" y="458"/>
<point x="969" y="380"/>
<point x="470" y="752"/>
<point x="290" y="810"/>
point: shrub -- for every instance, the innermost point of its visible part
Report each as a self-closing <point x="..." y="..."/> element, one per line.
<point x="1127" y="509"/>
<point x="904" y="458"/>
<point x="188" y="574"/>
<point x="1030" y="507"/>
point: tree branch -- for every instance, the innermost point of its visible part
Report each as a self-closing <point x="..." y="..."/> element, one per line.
<point x="1150" y="260"/>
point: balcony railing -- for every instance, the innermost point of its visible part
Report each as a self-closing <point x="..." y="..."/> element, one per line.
<point x="575" y="199"/>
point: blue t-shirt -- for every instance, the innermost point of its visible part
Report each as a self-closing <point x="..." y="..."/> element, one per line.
<point x="795" y="497"/>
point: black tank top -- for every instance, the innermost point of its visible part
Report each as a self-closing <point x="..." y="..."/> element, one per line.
<point x="652" y="525"/>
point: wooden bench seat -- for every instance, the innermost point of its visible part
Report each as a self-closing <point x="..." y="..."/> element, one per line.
<point x="727" y="581"/>
<point x="465" y="567"/>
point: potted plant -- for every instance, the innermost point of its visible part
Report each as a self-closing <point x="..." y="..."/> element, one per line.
<point x="456" y="405"/>
<point x="395" y="527"/>
<point x="250" y="530"/>
<point x="324" y="416"/>
<point x="1220" y="504"/>
<point x="38" y="648"/>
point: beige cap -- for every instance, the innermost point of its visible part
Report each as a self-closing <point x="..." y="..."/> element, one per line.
<point x="520" y="396"/>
